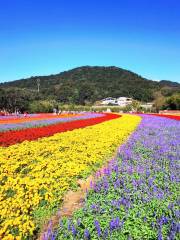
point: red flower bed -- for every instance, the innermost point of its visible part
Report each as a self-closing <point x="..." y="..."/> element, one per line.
<point x="17" y="136"/>
<point x="167" y="116"/>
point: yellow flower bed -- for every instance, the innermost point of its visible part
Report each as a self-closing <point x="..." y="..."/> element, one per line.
<point x="35" y="175"/>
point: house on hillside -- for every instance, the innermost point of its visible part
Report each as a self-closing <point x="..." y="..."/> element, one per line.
<point x="124" y="101"/>
<point x="109" y="100"/>
<point x="121" y="101"/>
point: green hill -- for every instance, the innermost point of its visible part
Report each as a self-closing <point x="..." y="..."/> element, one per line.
<point x="84" y="85"/>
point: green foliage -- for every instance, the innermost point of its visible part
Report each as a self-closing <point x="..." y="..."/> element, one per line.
<point x="10" y="193"/>
<point x="44" y="212"/>
<point x="173" y="102"/>
<point x="16" y="99"/>
<point x="42" y="106"/>
<point x="81" y="86"/>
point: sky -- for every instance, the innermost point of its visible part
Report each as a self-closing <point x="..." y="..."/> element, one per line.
<point x="43" y="37"/>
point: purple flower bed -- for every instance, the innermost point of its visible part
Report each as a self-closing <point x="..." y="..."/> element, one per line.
<point x="137" y="197"/>
<point x="18" y="117"/>
<point x="45" y="122"/>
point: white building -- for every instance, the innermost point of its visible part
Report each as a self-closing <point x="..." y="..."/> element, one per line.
<point x="124" y="101"/>
<point x="121" y="101"/>
<point x="109" y="100"/>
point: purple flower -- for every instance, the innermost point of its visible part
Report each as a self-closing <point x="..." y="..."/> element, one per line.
<point x="114" y="224"/>
<point x="74" y="231"/>
<point x="86" y="234"/>
<point x="91" y="185"/>
<point x="105" y="184"/>
<point x="98" y="228"/>
<point x="105" y="234"/>
<point x="160" y="237"/>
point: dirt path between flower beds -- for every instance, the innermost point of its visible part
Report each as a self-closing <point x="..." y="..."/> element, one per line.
<point x="71" y="202"/>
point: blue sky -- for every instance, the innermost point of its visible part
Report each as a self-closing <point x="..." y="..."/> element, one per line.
<point x="41" y="37"/>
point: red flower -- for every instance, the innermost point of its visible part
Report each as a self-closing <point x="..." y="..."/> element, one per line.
<point x="17" y="136"/>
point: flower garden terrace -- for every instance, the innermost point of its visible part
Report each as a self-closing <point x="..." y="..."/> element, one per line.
<point x="36" y="172"/>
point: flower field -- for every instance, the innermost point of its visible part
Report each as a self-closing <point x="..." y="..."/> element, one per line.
<point x="167" y="116"/>
<point x="42" y="120"/>
<point x="10" y="137"/>
<point x="39" y="165"/>
<point x="137" y="195"/>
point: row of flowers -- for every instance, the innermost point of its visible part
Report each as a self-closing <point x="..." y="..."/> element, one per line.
<point x="138" y="195"/>
<point x="13" y="117"/>
<point x="33" y="118"/>
<point x="35" y="175"/>
<point x="47" y="120"/>
<point x="17" y="136"/>
<point x="167" y="116"/>
<point x="24" y="117"/>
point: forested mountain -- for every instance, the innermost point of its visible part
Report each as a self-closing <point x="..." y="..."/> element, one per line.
<point x="85" y="85"/>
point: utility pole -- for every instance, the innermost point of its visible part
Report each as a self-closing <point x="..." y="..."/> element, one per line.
<point x="38" y="83"/>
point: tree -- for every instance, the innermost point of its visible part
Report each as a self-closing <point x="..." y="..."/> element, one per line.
<point x="159" y="101"/>
<point x="173" y="102"/>
<point x="41" y="106"/>
<point x="135" y="105"/>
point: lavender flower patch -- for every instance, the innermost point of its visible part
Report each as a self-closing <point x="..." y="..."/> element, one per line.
<point x="138" y="197"/>
<point x="18" y="117"/>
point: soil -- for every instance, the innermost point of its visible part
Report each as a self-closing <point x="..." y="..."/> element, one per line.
<point x="71" y="202"/>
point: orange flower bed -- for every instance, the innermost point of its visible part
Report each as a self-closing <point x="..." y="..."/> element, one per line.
<point x="39" y="117"/>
